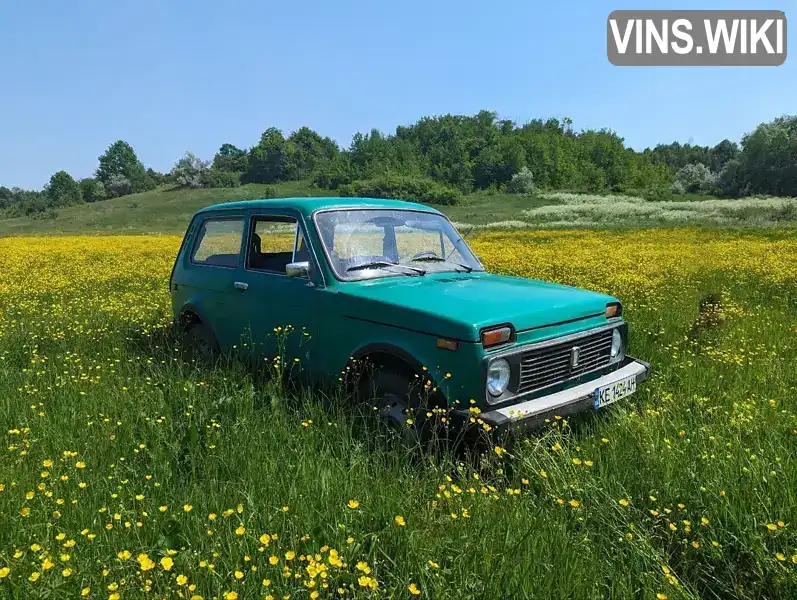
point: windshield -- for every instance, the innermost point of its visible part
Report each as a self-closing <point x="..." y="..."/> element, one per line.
<point x="364" y="244"/>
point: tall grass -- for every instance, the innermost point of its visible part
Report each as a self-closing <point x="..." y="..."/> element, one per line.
<point x="130" y="471"/>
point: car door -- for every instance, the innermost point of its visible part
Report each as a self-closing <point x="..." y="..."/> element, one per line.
<point x="214" y="264"/>
<point x="280" y="310"/>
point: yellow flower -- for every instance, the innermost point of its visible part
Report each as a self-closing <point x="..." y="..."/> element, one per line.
<point x="187" y="507"/>
<point x="241" y="530"/>
<point x="34" y="576"/>
<point x="145" y="562"/>
<point x="414" y="590"/>
<point x="4" y="572"/>
<point x="182" y="580"/>
<point x="166" y="563"/>
<point x="353" y="504"/>
<point x="85" y="591"/>
<point x="273" y="560"/>
<point x="290" y="555"/>
<point x="239" y="575"/>
<point x="780" y="556"/>
<point x="66" y="572"/>
<point x="47" y="463"/>
<point x="576" y="461"/>
<point x="400" y="521"/>
<point x="575" y="503"/>
<point x="624" y="501"/>
<point x="123" y="555"/>
<point x="212" y="516"/>
<point x="661" y="596"/>
<point x="230" y="595"/>
<point x="163" y="508"/>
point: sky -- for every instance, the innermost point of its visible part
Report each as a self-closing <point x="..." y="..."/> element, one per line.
<point x="171" y="77"/>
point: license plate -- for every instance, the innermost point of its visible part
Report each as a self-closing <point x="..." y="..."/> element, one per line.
<point x="614" y="391"/>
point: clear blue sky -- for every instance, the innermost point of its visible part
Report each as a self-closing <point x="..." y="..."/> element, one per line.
<point x="175" y="76"/>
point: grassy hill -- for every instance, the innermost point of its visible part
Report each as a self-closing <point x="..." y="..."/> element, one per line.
<point x="168" y="210"/>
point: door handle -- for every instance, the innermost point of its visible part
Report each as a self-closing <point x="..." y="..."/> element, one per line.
<point x="241" y="285"/>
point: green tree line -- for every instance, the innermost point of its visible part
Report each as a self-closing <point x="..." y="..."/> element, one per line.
<point x="438" y="159"/>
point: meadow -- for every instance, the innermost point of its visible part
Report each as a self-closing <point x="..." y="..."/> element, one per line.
<point x="129" y="471"/>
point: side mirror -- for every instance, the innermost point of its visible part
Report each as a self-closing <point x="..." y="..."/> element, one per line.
<point x="298" y="269"/>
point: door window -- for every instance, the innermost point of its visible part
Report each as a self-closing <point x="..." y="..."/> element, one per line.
<point x="219" y="242"/>
<point x="274" y="243"/>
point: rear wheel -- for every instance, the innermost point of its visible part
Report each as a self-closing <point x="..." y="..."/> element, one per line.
<point x="201" y="342"/>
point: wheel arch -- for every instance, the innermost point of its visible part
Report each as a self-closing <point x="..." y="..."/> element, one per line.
<point x="191" y="314"/>
<point x="390" y="356"/>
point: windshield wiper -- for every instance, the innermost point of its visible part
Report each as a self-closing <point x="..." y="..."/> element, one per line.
<point x="439" y="259"/>
<point x="381" y="264"/>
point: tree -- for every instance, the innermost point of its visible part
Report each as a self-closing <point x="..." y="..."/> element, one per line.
<point x="230" y="158"/>
<point x="268" y="160"/>
<point x="93" y="190"/>
<point x="6" y="195"/>
<point x="120" y="160"/>
<point x="309" y="148"/>
<point x="768" y="160"/>
<point x="189" y="170"/>
<point x="723" y="153"/>
<point x="63" y="190"/>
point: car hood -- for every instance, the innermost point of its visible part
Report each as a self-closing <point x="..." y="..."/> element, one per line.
<point x="459" y="305"/>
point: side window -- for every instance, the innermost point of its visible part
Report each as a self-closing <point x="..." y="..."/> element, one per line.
<point x="218" y="243"/>
<point x="274" y="243"/>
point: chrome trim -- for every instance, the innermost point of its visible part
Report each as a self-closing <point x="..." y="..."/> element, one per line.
<point x="344" y="207"/>
<point x="533" y="407"/>
<point x="492" y="401"/>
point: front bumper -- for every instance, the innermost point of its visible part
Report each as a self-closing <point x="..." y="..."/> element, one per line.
<point x="579" y="398"/>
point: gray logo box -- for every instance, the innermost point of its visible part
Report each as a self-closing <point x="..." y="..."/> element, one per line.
<point x="696" y="37"/>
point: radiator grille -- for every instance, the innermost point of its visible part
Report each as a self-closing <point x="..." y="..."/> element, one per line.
<point x="550" y="365"/>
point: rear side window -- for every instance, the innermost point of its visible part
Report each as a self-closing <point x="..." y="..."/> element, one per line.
<point x="219" y="242"/>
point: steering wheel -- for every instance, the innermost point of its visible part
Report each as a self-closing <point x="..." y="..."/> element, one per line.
<point x="424" y="254"/>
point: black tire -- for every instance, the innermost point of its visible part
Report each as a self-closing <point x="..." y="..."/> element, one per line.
<point x="395" y="401"/>
<point x="201" y="342"/>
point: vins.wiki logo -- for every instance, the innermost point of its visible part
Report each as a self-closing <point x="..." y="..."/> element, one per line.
<point x="696" y="37"/>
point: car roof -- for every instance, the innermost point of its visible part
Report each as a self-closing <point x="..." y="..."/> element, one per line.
<point x="307" y="206"/>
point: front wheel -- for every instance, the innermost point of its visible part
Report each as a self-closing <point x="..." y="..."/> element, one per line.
<point x="397" y="401"/>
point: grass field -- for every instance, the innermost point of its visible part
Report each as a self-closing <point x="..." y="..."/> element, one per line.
<point x="129" y="472"/>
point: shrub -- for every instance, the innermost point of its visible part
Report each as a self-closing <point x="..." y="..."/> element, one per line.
<point x="215" y="178"/>
<point x="118" y="185"/>
<point x="189" y="171"/>
<point x="696" y="177"/>
<point x="522" y="182"/>
<point x="659" y="193"/>
<point x="677" y="188"/>
<point x="417" y="189"/>
<point x="92" y="189"/>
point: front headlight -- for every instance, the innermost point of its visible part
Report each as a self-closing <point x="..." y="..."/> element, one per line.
<point x="618" y="351"/>
<point x="498" y="377"/>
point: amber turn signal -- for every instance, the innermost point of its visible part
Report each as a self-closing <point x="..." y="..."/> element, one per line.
<point x="496" y="336"/>
<point x="613" y="310"/>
